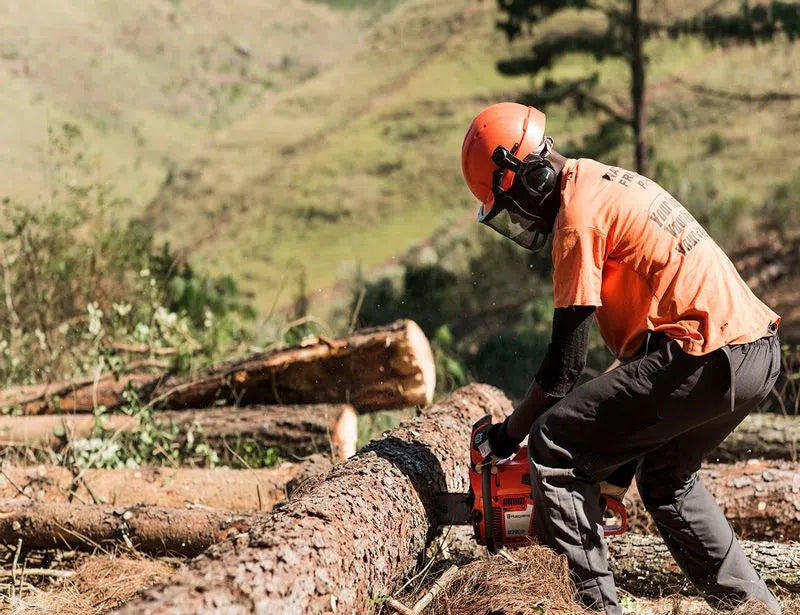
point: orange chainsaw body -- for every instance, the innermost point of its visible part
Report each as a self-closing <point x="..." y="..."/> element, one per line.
<point x="502" y="505"/>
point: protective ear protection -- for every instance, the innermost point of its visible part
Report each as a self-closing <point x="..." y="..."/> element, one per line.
<point x="535" y="172"/>
<point x="524" y="220"/>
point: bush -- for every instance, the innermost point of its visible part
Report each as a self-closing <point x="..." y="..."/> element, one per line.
<point x="86" y="293"/>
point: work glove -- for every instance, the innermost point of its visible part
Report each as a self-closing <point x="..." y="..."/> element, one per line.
<point x="493" y="444"/>
<point x="503" y="445"/>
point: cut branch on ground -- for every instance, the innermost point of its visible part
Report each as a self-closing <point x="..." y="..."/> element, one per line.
<point x="148" y="529"/>
<point x="223" y="488"/>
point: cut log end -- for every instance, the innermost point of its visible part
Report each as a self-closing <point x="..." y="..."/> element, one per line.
<point x="421" y="355"/>
<point x="345" y="434"/>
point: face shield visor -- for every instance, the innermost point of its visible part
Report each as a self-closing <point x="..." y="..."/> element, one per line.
<point x="515" y="224"/>
<point x="528" y="225"/>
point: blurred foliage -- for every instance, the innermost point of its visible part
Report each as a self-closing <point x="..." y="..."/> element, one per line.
<point x="485" y="304"/>
<point x="85" y="293"/>
<point x="780" y="211"/>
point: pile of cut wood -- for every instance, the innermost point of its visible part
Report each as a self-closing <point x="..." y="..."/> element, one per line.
<point x="301" y="402"/>
<point x="348" y="539"/>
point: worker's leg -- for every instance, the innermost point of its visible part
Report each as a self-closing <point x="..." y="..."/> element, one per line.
<point x="599" y="427"/>
<point x="690" y="521"/>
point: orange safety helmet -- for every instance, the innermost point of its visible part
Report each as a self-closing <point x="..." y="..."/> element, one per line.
<point x="517" y="127"/>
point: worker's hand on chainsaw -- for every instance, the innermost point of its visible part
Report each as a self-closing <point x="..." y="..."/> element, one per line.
<point x="493" y="443"/>
<point x="503" y="445"/>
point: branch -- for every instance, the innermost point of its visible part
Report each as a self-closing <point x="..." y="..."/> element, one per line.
<point x="578" y="91"/>
<point x="522" y="12"/>
<point x="545" y="52"/>
<point x="760" y="23"/>
<point x="761" y="97"/>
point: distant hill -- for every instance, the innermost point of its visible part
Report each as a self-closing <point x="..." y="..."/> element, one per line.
<point x="149" y="82"/>
<point x="353" y="167"/>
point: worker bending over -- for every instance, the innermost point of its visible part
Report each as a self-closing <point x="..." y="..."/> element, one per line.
<point x="699" y="351"/>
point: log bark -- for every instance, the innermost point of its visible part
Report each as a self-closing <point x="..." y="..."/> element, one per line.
<point x="643" y="566"/>
<point x="222" y="488"/>
<point x="77" y="396"/>
<point x="149" y="529"/>
<point x="376" y="369"/>
<point x="294" y="431"/>
<point x="350" y="539"/>
<point x="761" y="499"/>
<point x="766" y="436"/>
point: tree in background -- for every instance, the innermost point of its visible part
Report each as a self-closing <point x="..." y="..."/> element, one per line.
<point x="620" y="30"/>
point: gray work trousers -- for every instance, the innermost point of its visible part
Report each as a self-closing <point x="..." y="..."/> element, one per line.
<point x="659" y="415"/>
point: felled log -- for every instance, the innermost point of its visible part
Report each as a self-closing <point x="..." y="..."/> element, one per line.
<point x="375" y="369"/>
<point x="643" y="566"/>
<point x="761" y="499"/>
<point x="761" y="435"/>
<point x="223" y="488"/>
<point x="149" y="529"/>
<point x="294" y="431"/>
<point x="77" y="396"/>
<point x="350" y="539"/>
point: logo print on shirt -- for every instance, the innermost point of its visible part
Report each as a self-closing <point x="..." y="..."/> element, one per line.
<point x="675" y="219"/>
<point x="665" y="211"/>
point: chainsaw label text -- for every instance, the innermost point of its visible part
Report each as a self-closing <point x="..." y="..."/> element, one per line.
<point x="518" y="523"/>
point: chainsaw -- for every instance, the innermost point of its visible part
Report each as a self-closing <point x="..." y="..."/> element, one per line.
<point x="499" y="503"/>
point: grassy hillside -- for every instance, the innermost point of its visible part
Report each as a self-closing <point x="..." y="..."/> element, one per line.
<point x="355" y="166"/>
<point x="352" y="167"/>
<point x="294" y="142"/>
<point x="148" y="82"/>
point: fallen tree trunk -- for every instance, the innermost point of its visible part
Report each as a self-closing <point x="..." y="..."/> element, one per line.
<point x="294" y="431"/>
<point x="348" y="540"/>
<point x="149" y="529"/>
<point x="761" y="435"/>
<point x="77" y="396"/>
<point x="375" y="369"/>
<point x="760" y="499"/>
<point x="643" y="566"/>
<point x="241" y="490"/>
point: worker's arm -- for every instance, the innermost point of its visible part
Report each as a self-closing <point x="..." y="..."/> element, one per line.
<point x="560" y="369"/>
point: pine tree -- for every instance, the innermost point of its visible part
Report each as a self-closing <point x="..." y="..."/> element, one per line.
<point x="623" y="36"/>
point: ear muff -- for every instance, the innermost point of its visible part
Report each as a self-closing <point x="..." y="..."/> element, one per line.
<point x="538" y="176"/>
